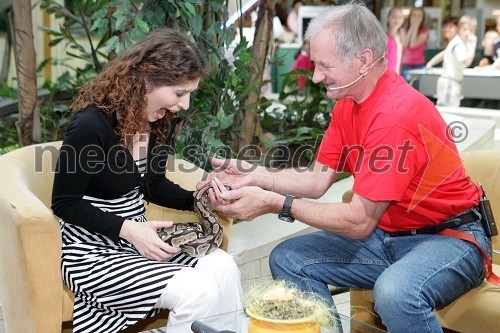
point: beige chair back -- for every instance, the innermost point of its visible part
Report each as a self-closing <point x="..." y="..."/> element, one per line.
<point x="484" y="167"/>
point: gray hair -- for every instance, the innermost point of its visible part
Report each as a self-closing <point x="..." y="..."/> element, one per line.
<point x="355" y="28"/>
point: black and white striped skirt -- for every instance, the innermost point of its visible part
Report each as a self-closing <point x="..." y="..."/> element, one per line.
<point x="114" y="285"/>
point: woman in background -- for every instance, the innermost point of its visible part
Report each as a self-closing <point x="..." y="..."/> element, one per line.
<point x="415" y="39"/>
<point x="292" y="20"/>
<point x="303" y="61"/>
<point x="395" y="36"/>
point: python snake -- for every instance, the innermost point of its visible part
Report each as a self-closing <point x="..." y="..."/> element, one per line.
<point x="196" y="239"/>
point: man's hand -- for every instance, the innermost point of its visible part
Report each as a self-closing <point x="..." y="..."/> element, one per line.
<point x="233" y="172"/>
<point x="145" y="239"/>
<point x="214" y="199"/>
<point x="248" y="202"/>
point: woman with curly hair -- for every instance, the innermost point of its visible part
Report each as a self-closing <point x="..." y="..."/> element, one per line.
<point x="112" y="158"/>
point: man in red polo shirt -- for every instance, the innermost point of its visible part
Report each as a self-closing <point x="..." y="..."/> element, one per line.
<point x="408" y="182"/>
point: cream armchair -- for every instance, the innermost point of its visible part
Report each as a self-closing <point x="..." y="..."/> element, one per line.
<point x="479" y="309"/>
<point x="34" y="298"/>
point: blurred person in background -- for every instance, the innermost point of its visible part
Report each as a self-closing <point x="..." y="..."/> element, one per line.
<point x="292" y="20"/>
<point x="458" y="55"/>
<point x="303" y="61"/>
<point x="414" y="42"/>
<point x="449" y="29"/>
<point x="395" y="36"/>
<point x="488" y="44"/>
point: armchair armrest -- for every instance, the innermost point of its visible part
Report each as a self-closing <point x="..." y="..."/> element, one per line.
<point x="30" y="252"/>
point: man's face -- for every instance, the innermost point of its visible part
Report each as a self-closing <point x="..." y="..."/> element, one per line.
<point x="330" y="70"/>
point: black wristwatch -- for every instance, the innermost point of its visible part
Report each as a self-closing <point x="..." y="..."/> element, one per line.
<point x="286" y="211"/>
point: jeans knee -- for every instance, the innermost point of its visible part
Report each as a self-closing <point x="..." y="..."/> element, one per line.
<point x="220" y="264"/>
<point x="388" y="295"/>
<point x="278" y="260"/>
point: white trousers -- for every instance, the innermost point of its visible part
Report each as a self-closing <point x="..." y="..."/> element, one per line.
<point x="211" y="288"/>
<point x="449" y="92"/>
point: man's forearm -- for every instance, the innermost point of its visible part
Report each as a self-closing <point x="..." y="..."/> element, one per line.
<point x="311" y="183"/>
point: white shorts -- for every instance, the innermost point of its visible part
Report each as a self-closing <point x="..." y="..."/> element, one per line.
<point x="449" y="92"/>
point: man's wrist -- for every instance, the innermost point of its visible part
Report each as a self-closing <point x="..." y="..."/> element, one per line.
<point x="276" y="202"/>
<point x="286" y="210"/>
<point x="270" y="182"/>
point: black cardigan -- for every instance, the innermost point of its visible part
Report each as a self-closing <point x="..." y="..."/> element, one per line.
<point x="93" y="162"/>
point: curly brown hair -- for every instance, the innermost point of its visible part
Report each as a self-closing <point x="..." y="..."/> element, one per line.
<point x="165" y="57"/>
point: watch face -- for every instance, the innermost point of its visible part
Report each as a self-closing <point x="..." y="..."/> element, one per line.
<point x="286" y="218"/>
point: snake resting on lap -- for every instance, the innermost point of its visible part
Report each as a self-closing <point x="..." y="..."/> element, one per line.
<point x="196" y="239"/>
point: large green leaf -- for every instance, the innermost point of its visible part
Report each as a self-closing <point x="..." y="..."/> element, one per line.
<point x="190" y="8"/>
<point x="142" y="25"/>
<point x="120" y="22"/>
<point x="111" y="44"/>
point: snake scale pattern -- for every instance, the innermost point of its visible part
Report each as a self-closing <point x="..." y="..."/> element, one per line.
<point x="196" y="239"/>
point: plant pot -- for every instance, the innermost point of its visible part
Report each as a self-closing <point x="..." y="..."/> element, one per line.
<point x="258" y="324"/>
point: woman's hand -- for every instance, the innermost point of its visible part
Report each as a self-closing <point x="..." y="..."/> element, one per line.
<point x="145" y="239"/>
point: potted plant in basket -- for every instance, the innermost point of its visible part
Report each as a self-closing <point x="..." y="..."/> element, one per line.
<point x="280" y="307"/>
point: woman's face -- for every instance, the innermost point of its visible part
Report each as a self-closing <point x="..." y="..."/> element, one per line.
<point x="169" y="99"/>
<point x="396" y="19"/>
<point x="416" y="17"/>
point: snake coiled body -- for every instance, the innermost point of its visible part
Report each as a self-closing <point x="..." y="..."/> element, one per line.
<point x="196" y="239"/>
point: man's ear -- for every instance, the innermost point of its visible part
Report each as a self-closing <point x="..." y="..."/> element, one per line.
<point x="366" y="59"/>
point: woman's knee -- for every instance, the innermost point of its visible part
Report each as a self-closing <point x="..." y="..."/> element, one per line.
<point x="219" y="263"/>
<point x="202" y="287"/>
<point x="187" y="288"/>
<point x="205" y="291"/>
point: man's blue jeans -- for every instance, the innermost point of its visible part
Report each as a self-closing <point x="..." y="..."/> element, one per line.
<point x="410" y="275"/>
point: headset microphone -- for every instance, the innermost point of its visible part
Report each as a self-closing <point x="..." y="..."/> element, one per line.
<point x="359" y="78"/>
<point x="350" y="84"/>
